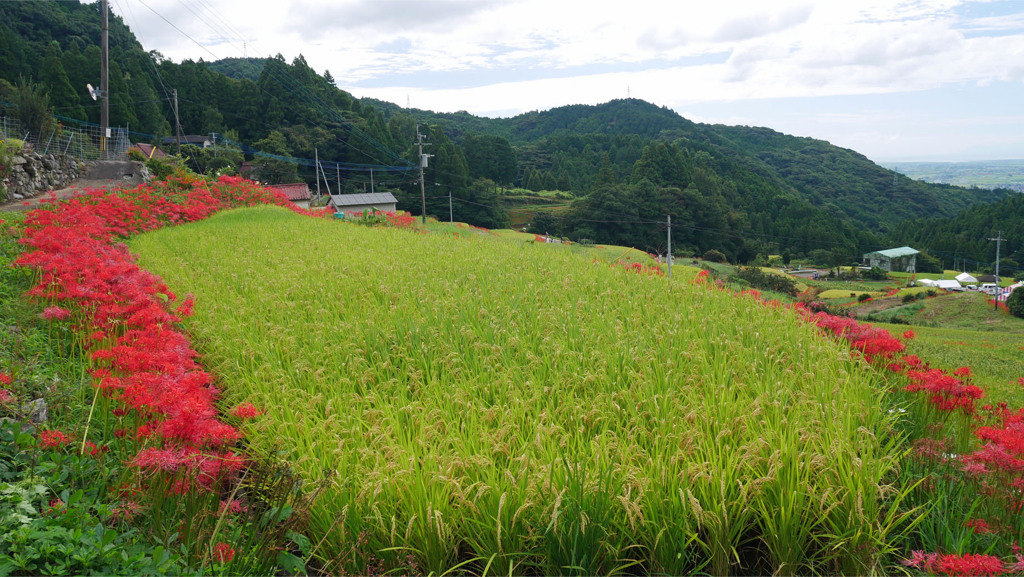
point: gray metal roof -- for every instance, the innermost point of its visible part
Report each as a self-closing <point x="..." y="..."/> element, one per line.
<point x="363" y="199"/>
<point x="897" y="252"/>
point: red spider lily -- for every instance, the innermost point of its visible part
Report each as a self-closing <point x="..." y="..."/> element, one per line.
<point x="245" y="411"/>
<point x="968" y="564"/>
<point x="948" y="392"/>
<point x="642" y="269"/>
<point x="93" y="451"/>
<point x="53" y="439"/>
<point x="55" y="313"/>
<point x="6" y="396"/>
<point x="908" y="335"/>
<point x="6" y="379"/>
<point x="141" y="360"/>
<point x="223" y="553"/>
<point x="978" y="526"/>
<point x="233" y="506"/>
<point x="702" y="277"/>
<point x="186" y="306"/>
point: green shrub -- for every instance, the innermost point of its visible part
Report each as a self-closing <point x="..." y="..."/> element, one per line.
<point x="759" y="279"/>
<point x="1015" y="303"/>
<point x="875" y="273"/>
<point x="714" y="256"/>
<point x="863" y="297"/>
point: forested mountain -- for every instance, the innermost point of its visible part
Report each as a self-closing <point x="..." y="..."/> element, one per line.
<point x="967" y="236"/>
<point x="239" y="68"/>
<point x="629" y="164"/>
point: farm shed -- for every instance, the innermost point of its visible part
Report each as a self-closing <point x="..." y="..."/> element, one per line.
<point x="352" y="203"/>
<point x="903" y="259"/>
<point x="297" y="192"/>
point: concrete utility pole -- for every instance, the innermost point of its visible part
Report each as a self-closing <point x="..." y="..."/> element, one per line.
<point x="999" y="239"/>
<point x="423" y="164"/>
<point x="104" y="75"/>
<point x="177" y="123"/>
<point x="316" y="158"/>
<point x="669" y="217"/>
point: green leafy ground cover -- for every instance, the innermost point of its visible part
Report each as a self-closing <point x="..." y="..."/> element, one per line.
<point x="517" y="409"/>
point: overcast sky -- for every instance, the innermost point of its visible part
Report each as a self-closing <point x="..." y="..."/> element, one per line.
<point x="892" y="79"/>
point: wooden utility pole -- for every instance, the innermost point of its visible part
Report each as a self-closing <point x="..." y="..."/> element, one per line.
<point x="104" y="75"/>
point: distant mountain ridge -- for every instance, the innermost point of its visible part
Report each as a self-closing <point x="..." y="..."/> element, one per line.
<point x="837" y="179"/>
<point x="743" y="189"/>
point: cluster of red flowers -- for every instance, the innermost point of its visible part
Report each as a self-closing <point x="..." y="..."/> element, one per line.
<point x="140" y="360"/>
<point x="704" y="276"/>
<point x="640" y="268"/>
<point x="966" y="564"/>
<point x="1002" y="453"/>
<point x="245" y="411"/>
<point x="223" y="553"/>
<point x="6" y="396"/>
<point x="53" y="439"/>
<point x="873" y="343"/>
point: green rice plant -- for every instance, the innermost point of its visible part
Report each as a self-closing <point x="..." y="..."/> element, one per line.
<point x="494" y="406"/>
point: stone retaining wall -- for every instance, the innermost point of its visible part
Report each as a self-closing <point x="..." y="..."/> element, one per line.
<point x="32" y="173"/>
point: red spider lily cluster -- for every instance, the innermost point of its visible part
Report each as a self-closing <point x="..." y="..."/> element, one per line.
<point x="758" y="297"/>
<point x="966" y="564"/>
<point x="223" y="553"/>
<point x="640" y="268"/>
<point x="998" y="464"/>
<point x="872" y="342"/>
<point x="53" y="439"/>
<point x="6" y="396"/>
<point x="140" y="360"/>
<point x="703" y="277"/>
<point x="245" y="411"/>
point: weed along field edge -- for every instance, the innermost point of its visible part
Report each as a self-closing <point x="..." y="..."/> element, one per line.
<point x="502" y="408"/>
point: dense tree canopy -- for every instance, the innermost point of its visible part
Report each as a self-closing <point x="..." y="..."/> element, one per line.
<point x="629" y="164"/>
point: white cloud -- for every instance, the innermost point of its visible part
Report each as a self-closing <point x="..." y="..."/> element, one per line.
<point x="589" y="53"/>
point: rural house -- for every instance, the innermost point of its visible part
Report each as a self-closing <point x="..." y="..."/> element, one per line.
<point x="353" y="203"/>
<point x="199" y="140"/>
<point x="297" y="192"/>
<point x="903" y="259"/>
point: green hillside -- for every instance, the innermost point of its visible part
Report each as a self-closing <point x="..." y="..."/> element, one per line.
<point x="629" y="164"/>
